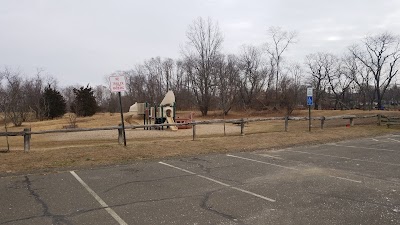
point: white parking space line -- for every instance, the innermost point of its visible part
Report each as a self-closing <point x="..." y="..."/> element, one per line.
<point x="377" y="149"/>
<point x="341" y="157"/>
<point x="268" y="156"/>
<point x="220" y="183"/>
<point x="213" y="180"/>
<point x="393" y="140"/>
<point x="254" y="194"/>
<point x="272" y="164"/>
<point x="342" y="178"/>
<point x="187" y="171"/>
<point x="384" y="141"/>
<point x="99" y="200"/>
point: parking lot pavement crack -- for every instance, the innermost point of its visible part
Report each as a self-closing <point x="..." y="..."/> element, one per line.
<point x="73" y="214"/>
<point x="20" y="219"/>
<point x="144" y="181"/>
<point x="205" y="206"/>
<point x="201" y="166"/>
<point x="56" y="219"/>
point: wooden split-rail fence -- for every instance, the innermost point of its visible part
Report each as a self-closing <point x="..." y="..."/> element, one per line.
<point x="27" y="133"/>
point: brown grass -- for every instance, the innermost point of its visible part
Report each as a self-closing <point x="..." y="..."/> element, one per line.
<point x="51" y="152"/>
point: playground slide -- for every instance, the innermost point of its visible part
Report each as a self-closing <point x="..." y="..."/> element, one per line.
<point x="171" y="121"/>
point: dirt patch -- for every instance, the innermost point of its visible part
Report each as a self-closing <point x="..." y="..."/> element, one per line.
<point x="52" y="152"/>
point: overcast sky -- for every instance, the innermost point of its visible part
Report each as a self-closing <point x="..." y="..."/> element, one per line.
<point x="82" y="41"/>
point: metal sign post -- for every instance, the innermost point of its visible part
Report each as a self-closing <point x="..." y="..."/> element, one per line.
<point x="118" y="84"/>
<point x="309" y="103"/>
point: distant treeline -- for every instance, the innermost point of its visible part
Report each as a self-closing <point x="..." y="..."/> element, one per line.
<point x="257" y="78"/>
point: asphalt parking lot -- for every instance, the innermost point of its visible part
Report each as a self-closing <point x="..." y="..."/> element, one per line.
<point x="349" y="182"/>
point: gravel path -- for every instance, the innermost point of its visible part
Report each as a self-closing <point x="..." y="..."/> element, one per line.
<point x="140" y="133"/>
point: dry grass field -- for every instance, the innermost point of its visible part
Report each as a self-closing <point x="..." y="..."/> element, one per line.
<point x="59" y="151"/>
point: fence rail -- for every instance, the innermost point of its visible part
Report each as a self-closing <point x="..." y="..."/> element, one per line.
<point x="27" y="133"/>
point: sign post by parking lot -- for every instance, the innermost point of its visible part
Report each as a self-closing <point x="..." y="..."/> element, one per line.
<point x="309" y="103"/>
<point x="118" y="84"/>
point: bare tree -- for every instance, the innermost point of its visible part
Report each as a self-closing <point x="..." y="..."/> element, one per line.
<point x="340" y="74"/>
<point x="295" y="71"/>
<point x="179" y="80"/>
<point x="380" y="55"/>
<point x="69" y="96"/>
<point x="202" y="50"/>
<point x="136" y="85"/>
<point x="33" y="90"/>
<point x="291" y="89"/>
<point x="289" y="92"/>
<point x="15" y="101"/>
<point x="253" y="74"/>
<point x="168" y="68"/>
<point x="4" y="107"/>
<point x="362" y="80"/>
<point x="182" y="84"/>
<point x="393" y="96"/>
<point x="102" y="95"/>
<point x="276" y="46"/>
<point x="321" y="66"/>
<point x="153" y="70"/>
<point x="228" y="80"/>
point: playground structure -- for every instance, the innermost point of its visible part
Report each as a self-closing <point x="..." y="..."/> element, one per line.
<point x="163" y="113"/>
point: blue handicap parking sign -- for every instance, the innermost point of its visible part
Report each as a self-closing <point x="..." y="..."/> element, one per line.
<point x="309" y="100"/>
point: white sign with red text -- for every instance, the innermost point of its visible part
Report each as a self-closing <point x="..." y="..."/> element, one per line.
<point x="117" y="83"/>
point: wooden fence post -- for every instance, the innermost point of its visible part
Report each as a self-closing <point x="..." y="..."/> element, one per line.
<point x="27" y="139"/>
<point x="120" y="134"/>
<point x="322" y="122"/>
<point x="351" y="122"/>
<point x="194" y="131"/>
<point x="379" y="119"/>
<point x="286" y="123"/>
<point x="242" y="127"/>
